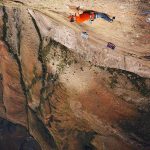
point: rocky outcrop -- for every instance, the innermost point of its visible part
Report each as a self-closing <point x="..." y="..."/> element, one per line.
<point x="128" y="32"/>
<point x="65" y="90"/>
<point x="13" y="99"/>
<point x="91" y="50"/>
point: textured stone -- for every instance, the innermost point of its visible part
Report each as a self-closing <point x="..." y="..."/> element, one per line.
<point x="13" y="96"/>
<point x="71" y="93"/>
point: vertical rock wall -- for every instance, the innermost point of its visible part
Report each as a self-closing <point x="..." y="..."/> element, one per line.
<point x="64" y="101"/>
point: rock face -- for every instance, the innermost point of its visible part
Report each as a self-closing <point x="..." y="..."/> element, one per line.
<point x="14" y="136"/>
<point x="71" y="93"/>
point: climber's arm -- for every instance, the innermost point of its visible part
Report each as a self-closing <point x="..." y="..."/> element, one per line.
<point x="76" y="10"/>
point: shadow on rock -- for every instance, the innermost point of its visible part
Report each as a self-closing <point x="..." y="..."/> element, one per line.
<point x="138" y="128"/>
<point x="16" y="137"/>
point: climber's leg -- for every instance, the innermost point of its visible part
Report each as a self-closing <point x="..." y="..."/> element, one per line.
<point x="103" y="16"/>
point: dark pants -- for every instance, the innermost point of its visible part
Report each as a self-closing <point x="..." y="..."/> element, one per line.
<point x="103" y="16"/>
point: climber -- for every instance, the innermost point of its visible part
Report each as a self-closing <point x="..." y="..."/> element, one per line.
<point x="88" y="15"/>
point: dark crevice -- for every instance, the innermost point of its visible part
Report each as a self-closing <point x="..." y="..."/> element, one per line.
<point x="1" y="92"/>
<point x="15" y="56"/>
<point x="5" y="20"/>
<point x="147" y="57"/>
<point x="44" y="67"/>
<point x="40" y="58"/>
<point x="48" y="83"/>
<point x="19" y="2"/>
<point x="44" y="132"/>
<point x="18" y="37"/>
<point x="18" y="30"/>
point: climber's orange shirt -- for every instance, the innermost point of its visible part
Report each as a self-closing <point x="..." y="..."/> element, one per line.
<point x="83" y="17"/>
